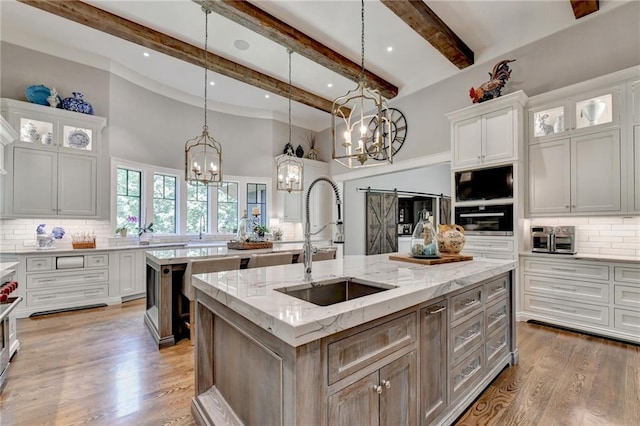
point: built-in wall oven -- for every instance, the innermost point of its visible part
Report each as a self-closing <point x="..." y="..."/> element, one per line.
<point x="486" y="219"/>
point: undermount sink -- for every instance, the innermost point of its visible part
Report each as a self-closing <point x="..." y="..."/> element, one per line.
<point x="334" y="290"/>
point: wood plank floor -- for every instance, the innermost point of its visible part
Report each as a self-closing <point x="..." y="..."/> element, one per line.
<point x="101" y="367"/>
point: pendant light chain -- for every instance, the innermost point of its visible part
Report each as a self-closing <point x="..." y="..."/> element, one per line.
<point x="289" y="51"/>
<point x="206" y="62"/>
<point x="362" y="42"/>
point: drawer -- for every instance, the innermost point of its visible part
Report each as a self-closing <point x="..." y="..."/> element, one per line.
<point x="352" y="353"/>
<point x="628" y="321"/>
<point x="567" y="269"/>
<point x="465" y="337"/>
<point x="577" y="312"/>
<point x="67" y="296"/>
<point x="478" y="254"/>
<point x="497" y="288"/>
<point x="467" y="303"/>
<point x="97" y="260"/>
<point x="57" y="279"/>
<point x="496" y="316"/>
<point x="39" y="264"/>
<point x="489" y="244"/>
<point x="497" y="347"/>
<point x="466" y="374"/>
<point x="574" y="290"/>
<point x="626" y="295"/>
<point x="625" y="274"/>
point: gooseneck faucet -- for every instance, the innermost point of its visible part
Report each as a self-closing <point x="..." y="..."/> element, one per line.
<point x="339" y="238"/>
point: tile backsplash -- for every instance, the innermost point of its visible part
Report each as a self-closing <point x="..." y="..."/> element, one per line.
<point x="603" y="235"/>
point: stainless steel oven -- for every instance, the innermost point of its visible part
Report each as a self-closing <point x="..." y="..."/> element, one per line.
<point x="486" y="220"/>
<point x="553" y="239"/>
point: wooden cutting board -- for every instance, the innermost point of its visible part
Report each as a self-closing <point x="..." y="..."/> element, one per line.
<point x="405" y="257"/>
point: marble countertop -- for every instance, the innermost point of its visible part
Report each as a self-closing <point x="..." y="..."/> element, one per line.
<point x="67" y="250"/>
<point x="251" y="292"/>
<point x="584" y="256"/>
<point x="6" y="267"/>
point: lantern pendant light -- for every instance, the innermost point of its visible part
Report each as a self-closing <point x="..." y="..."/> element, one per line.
<point x="353" y="115"/>
<point x="289" y="167"/>
<point x="203" y="154"/>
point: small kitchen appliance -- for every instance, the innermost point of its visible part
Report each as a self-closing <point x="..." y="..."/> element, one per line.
<point x="553" y="239"/>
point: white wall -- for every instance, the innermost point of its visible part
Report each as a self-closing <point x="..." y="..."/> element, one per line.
<point x="433" y="179"/>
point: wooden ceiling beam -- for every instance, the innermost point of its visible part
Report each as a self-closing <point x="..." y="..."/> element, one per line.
<point x="584" y="7"/>
<point x="425" y="22"/>
<point x="117" y="26"/>
<point x="267" y="25"/>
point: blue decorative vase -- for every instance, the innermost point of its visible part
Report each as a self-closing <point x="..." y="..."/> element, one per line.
<point x="77" y="104"/>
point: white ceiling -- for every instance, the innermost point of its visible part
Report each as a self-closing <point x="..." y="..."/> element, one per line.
<point x="489" y="28"/>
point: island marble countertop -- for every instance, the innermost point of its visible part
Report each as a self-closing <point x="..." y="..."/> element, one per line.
<point x="251" y="292"/>
<point x="7" y="266"/>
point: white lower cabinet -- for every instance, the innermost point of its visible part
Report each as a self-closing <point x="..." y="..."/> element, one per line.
<point x="592" y="296"/>
<point x="128" y="268"/>
<point x="490" y="247"/>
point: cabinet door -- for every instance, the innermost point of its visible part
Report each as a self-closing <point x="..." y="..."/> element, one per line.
<point x="356" y="404"/>
<point x="433" y="361"/>
<point x="398" y="400"/>
<point x="35" y="182"/>
<point x="636" y="166"/>
<point x="595" y="172"/>
<point x="127" y="276"/>
<point x="498" y="138"/>
<point x="467" y="142"/>
<point x="292" y="203"/>
<point x="77" y="176"/>
<point x="549" y="177"/>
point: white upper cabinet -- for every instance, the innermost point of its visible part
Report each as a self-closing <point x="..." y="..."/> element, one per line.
<point x="583" y="113"/>
<point x="550" y="177"/>
<point x="54" y="164"/>
<point x="488" y="133"/>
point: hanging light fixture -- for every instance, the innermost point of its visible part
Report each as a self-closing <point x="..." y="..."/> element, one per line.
<point x="203" y="154"/>
<point x="289" y="167"/>
<point x="359" y="123"/>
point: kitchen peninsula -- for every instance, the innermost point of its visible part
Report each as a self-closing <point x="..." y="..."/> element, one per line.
<point x="165" y="270"/>
<point x="419" y="345"/>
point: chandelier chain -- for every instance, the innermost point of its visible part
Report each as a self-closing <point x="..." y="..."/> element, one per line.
<point x="289" y="51"/>
<point x="362" y="41"/>
<point x="206" y="62"/>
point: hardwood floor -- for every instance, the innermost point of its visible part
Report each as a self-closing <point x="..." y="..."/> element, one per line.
<point x="101" y="367"/>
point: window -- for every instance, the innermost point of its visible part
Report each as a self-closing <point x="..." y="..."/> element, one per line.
<point x="164" y="204"/>
<point x="228" y="207"/>
<point x="257" y="198"/>
<point x="197" y="207"/>
<point x="128" y="196"/>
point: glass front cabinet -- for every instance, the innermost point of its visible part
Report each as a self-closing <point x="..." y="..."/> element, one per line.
<point x="576" y="115"/>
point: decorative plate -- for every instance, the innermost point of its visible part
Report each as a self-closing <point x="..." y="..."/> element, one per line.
<point x="425" y="256"/>
<point x="38" y="94"/>
<point x="78" y="138"/>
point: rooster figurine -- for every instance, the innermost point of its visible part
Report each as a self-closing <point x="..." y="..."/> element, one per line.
<point x="492" y="88"/>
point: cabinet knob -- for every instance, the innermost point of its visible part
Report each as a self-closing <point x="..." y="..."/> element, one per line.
<point x="573" y="206"/>
<point x="377" y="389"/>
<point x="566" y="207"/>
<point x="386" y="384"/>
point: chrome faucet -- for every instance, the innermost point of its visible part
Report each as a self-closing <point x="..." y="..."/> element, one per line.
<point x="339" y="237"/>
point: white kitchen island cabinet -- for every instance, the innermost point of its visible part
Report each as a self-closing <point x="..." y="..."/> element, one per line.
<point x="382" y="359"/>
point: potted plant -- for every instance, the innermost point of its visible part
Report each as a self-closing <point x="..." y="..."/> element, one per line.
<point x="124" y="229"/>
<point x="142" y="233"/>
<point x="260" y="230"/>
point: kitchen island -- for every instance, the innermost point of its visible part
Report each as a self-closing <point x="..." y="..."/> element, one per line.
<point x="419" y="345"/>
<point x="164" y="274"/>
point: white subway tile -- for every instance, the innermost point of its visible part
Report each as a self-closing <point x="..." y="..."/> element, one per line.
<point x="635" y="239"/>
<point x="595" y="244"/>
<point x="607" y="219"/>
<point x="626" y="227"/>
<point x="591" y="227"/>
<point x="619" y="233"/>
<point x="618" y="252"/>
<point x="631" y="220"/>
<point x="589" y="250"/>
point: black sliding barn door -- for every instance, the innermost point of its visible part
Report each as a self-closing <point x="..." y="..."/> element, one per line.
<point x="382" y="222"/>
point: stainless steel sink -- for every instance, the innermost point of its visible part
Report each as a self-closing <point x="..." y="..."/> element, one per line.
<point x="335" y="290"/>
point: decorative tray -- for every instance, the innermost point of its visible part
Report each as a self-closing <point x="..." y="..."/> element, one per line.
<point x="443" y="258"/>
<point x="240" y="245"/>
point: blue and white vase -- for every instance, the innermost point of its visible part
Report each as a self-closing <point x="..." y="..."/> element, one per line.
<point x="77" y="104"/>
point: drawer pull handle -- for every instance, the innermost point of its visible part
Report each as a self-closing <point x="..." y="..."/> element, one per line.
<point x="560" y="308"/>
<point x="377" y="389"/>
<point x="497" y="288"/>
<point x="499" y="346"/>
<point x="497" y="317"/>
<point x="470" y="373"/>
<point x="386" y="384"/>
<point x="53" y="296"/>
<point x="437" y="310"/>
<point x="563" y="269"/>
<point x="469" y="302"/>
<point x="555" y="287"/>
<point x="91" y="292"/>
<point x="47" y="280"/>
<point x="91" y="277"/>
<point x="470" y="336"/>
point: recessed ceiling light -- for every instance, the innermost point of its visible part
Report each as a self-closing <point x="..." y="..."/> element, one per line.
<point x="241" y="44"/>
<point x="266" y="96"/>
<point x="330" y="85"/>
<point x="146" y="54"/>
<point x="213" y="83"/>
<point x="390" y="48"/>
